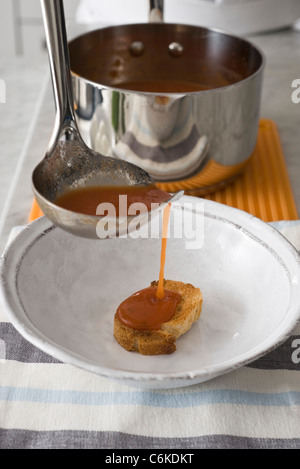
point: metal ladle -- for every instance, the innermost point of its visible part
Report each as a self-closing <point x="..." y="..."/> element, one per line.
<point x="69" y="163"/>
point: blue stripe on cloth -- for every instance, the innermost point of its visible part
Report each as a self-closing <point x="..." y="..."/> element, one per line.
<point x="154" y="399"/>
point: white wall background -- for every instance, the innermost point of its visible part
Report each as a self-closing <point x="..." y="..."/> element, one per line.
<point x="22" y="32"/>
<point x="21" y="26"/>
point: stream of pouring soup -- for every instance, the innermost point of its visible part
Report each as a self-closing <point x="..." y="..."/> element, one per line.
<point x="149" y="308"/>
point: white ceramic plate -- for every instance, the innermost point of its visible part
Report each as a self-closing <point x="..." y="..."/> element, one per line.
<point x="61" y="293"/>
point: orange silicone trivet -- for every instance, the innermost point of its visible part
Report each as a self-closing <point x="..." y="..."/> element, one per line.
<point x="263" y="189"/>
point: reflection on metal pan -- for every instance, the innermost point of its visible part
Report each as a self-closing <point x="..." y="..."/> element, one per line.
<point x="203" y="107"/>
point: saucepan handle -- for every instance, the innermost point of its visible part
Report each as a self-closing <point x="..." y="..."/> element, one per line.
<point x="156" y="13"/>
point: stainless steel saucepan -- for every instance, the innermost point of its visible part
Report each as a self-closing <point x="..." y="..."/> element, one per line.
<point x="180" y="101"/>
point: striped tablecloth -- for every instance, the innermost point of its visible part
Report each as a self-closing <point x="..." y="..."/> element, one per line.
<point x="48" y="404"/>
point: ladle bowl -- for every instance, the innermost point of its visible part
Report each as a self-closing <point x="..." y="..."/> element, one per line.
<point x="69" y="163"/>
<point x="71" y="167"/>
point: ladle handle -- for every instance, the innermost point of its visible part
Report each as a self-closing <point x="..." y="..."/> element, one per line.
<point x="57" y="44"/>
<point x="156" y="13"/>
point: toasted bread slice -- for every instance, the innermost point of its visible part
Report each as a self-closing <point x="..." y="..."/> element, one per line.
<point x="162" y="341"/>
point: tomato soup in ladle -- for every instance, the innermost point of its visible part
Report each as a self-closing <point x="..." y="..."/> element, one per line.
<point x="86" y="199"/>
